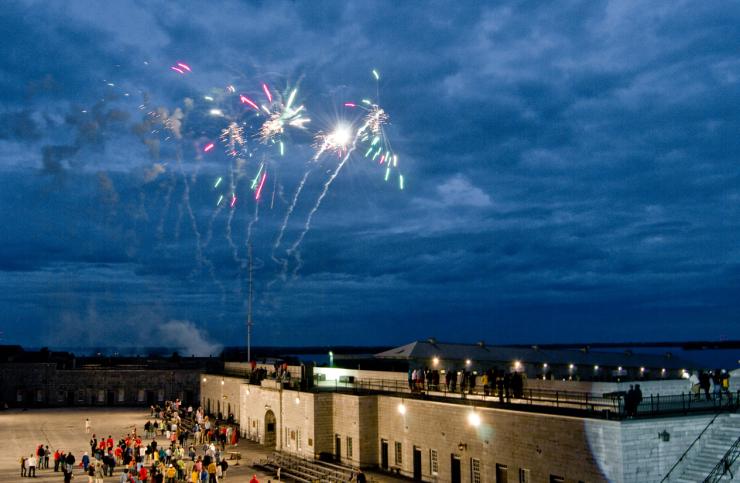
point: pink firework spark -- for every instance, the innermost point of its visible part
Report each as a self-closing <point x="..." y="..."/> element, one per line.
<point x="176" y="69"/>
<point x="208" y="147"/>
<point x="258" y="193"/>
<point x="350" y="104"/>
<point x="267" y="92"/>
<point x="184" y="66"/>
<point x="248" y="101"/>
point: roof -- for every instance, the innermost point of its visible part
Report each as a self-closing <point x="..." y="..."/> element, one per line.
<point x="427" y="350"/>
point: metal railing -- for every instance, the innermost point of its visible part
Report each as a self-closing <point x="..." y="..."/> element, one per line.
<point x="686" y="453"/>
<point x="724" y="466"/>
<point x="610" y="406"/>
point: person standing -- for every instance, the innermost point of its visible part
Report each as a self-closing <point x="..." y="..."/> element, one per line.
<point x="87" y="426"/>
<point x="32" y="466"/>
<point x="47" y="453"/>
<point x="24" y="465"/>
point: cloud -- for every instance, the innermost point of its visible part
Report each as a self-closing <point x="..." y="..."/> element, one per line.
<point x="459" y="191"/>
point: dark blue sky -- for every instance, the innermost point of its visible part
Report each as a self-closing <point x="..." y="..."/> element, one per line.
<point x="572" y="173"/>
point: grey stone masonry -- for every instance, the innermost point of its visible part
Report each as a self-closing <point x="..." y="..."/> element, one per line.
<point x="717" y="440"/>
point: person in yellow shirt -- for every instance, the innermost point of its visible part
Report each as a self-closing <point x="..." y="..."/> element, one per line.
<point x="170" y="474"/>
<point x="212" y="472"/>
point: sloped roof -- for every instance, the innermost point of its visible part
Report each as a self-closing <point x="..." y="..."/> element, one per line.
<point x="426" y="350"/>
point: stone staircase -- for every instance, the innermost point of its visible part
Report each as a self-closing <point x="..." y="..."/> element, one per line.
<point x="720" y="438"/>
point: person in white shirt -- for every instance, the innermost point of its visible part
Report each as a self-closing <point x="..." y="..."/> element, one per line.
<point x="32" y="466"/>
<point x="87" y="426"/>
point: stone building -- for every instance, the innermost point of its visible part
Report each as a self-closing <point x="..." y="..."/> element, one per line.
<point x="29" y="379"/>
<point x="372" y="419"/>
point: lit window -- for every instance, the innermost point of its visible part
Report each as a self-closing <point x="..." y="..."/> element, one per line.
<point x="349" y="447"/>
<point x="523" y="475"/>
<point x="474" y="470"/>
<point x="399" y="453"/>
<point x="434" y="461"/>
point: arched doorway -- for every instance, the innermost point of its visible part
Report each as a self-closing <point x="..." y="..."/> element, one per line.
<point x="269" y="440"/>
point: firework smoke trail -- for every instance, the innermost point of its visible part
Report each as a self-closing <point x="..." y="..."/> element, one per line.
<point x="186" y="202"/>
<point x="372" y="122"/>
<point x="284" y="261"/>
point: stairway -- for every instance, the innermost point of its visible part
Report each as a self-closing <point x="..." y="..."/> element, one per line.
<point x="721" y="436"/>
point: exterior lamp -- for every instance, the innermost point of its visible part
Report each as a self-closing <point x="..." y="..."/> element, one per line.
<point x="401" y="408"/>
<point x="571" y="367"/>
<point x="474" y="419"/>
<point x="468" y="362"/>
<point x="596" y="367"/>
<point x="517" y="365"/>
<point x="435" y="361"/>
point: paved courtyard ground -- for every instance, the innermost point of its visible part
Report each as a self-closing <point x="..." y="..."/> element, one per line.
<point x="22" y="431"/>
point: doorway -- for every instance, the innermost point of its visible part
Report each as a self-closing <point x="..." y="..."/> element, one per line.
<point x="384" y="454"/>
<point x="150" y="398"/>
<point x="417" y="463"/>
<point x="270" y="435"/>
<point x="337" y="448"/>
<point x="455" y="476"/>
<point x="111" y="398"/>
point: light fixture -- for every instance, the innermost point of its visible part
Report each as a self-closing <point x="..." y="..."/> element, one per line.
<point x="662" y="371"/>
<point x="468" y="362"/>
<point x="619" y="369"/>
<point x="222" y="382"/>
<point x="544" y="366"/>
<point x="517" y="365"/>
<point x="401" y="408"/>
<point x="571" y="367"/>
<point x="642" y="369"/>
<point x="596" y="367"/>
<point x="474" y="418"/>
<point x="205" y="380"/>
<point x="297" y="399"/>
<point x="435" y="361"/>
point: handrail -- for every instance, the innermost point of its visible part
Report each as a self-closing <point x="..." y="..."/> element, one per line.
<point x="685" y="453"/>
<point x="725" y="463"/>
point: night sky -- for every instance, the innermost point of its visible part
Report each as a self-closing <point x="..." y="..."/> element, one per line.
<point x="571" y="173"/>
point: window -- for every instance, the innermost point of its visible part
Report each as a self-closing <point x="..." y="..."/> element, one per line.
<point x="399" y="453"/>
<point x="121" y="395"/>
<point x="160" y="395"/>
<point x="433" y="461"/>
<point x="502" y="473"/>
<point x="140" y="396"/>
<point x="60" y="396"/>
<point x="523" y="475"/>
<point x="474" y="470"/>
<point x="298" y="440"/>
<point x="349" y="447"/>
<point x="101" y="396"/>
<point x="19" y="395"/>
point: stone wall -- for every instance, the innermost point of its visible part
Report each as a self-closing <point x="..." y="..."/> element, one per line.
<point x="42" y="384"/>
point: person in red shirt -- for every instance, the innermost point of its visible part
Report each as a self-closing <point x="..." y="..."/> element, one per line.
<point x="118" y="452"/>
<point x="254" y="479"/>
<point x="143" y="473"/>
<point x="109" y="442"/>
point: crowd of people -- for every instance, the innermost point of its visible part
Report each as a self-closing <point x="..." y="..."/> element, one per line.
<point x="492" y="382"/>
<point x="179" y="445"/>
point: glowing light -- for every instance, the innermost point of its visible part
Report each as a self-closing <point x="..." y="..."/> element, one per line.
<point x="282" y="149"/>
<point x="435" y="361"/>
<point x="177" y="70"/>
<point x="258" y="193"/>
<point x="376" y="75"/>
<point x="291" y="98"/>
<point x="571" y="367"/>
<point x="297" y="400"/>
<point x="184" y="66"/>
<point x="208" y="147"/>
<point x="400" y="181"/>
<point x="596" y="368"/>
<point x="231" y="88"/>
<point x="233" y="200"/>
<point x="662" y="371"/>
<point x="544" y="366"/>
<point x="218" y="182"/>
<point x="619" y="369"/>
<point x="642" y="369"/>
<point x="401" y="408"/>
<point x="216" y="112"/>
<point x="267" y="92"/>
<point x="246" y="100"/>
<point x="208" y="98"/>
<point x="474" y="419"/>
<point x="350" y="104"/>
<point x="468" y="362"/>
<point x="220" y="199"/>
<point x="517" y="365"/>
